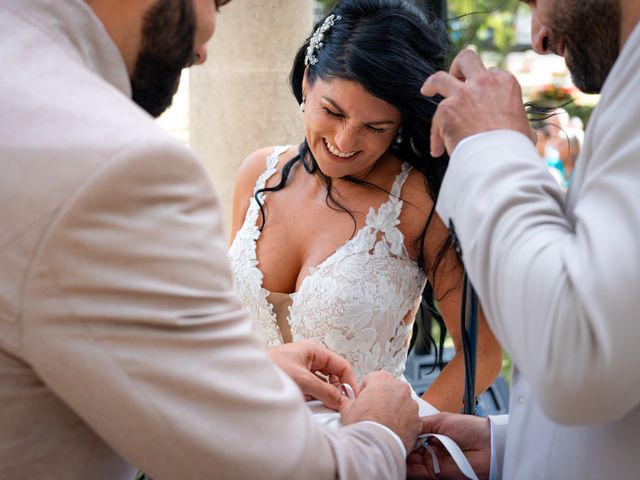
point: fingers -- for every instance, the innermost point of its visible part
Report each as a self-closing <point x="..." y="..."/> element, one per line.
<point x="388" y="401"/>
<point x="441" y="83"/>
<point x="467" y="65"/>
<point x="379" y="378"/>
<point x="420" y="465"/>
<point x="446" y="85"/>
<point x="313" y="386"/>
<point x="476" y="100"/>
<point x="331" y="364"/>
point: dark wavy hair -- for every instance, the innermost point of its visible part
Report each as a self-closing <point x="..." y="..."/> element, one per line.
<point x="390" y="48"/>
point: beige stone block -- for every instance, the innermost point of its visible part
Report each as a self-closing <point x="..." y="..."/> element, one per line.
<point x="240" y="98"/>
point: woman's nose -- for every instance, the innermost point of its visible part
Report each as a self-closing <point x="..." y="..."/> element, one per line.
<point x="345" y="139"/>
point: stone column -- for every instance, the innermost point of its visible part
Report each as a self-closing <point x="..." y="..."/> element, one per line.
<point x="240" y="98"/>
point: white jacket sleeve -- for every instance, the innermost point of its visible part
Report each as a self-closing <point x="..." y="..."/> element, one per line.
<point x="559" y="286"/>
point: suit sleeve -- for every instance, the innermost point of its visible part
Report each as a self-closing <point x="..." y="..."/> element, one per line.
<point x="560" y="292"/>
<point x="130" y="319"/>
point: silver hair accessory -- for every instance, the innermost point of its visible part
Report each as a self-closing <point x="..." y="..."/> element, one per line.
<point x="302" y="103"/>
<point x="316" y="39"/>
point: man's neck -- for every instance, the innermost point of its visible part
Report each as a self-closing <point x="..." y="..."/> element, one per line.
<point x="630" y="18"/>
<point x="122" y="19"/>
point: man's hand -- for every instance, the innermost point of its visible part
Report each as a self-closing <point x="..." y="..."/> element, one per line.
<point x="473" y="436"/>
<point x="476" y="100"/>
<point x="388" y="401"/>
<point x="300" y="360"/>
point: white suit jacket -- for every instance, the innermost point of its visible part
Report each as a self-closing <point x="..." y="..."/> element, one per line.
<point x="121" y="341"/>
<point x="559" y="281"/>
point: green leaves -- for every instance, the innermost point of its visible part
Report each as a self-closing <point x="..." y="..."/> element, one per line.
<point x="488" y="25"/>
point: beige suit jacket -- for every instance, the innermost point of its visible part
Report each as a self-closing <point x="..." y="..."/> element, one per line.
<point x="121" y="341"/>
<point x="559" y="281"/>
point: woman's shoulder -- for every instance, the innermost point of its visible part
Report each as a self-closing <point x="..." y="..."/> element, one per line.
<point x="256" y="163"/>
<point x="415" y="193"/>
<point x="417" y="205"/>
<point x="251" y="168"/>
<point x="410" y="185"/>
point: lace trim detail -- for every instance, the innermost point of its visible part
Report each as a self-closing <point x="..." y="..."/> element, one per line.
<point x="247" y="277"/>
<point x="355" y="301"/>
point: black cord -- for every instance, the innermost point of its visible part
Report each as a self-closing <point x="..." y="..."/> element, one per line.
<point x="469" y="333"/>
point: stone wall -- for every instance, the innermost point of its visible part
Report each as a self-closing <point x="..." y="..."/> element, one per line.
<point x="240" y="100"/>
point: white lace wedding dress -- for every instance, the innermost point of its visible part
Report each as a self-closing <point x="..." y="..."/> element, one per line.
<point x="359" y="302"/>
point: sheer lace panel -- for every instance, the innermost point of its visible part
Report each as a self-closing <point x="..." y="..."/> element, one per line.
<point x="359" y="302"/>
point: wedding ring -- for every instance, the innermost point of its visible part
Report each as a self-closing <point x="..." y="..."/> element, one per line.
<point x="348" y="391"/>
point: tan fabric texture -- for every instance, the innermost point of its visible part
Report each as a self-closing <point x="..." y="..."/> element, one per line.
<point x="122" y="344"/>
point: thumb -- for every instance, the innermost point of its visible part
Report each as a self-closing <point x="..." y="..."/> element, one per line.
<point x="323" y="391"/>
<point x="431" y="423"/>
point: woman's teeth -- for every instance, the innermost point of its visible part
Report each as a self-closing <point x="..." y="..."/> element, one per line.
<point x="336" y="152"/>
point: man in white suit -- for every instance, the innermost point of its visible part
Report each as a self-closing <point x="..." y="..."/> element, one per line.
<point x="121" y="341"/>
<point x="557" y="277"/>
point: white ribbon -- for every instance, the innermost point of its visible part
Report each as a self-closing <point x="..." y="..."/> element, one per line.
<point x="331" y="418"/>
<point x="453" y="449"/>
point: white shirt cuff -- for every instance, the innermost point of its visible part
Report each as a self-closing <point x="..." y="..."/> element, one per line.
<point x="493" y="465"/>
<point x="395" y="436"/>
<point x="495" y="470"/>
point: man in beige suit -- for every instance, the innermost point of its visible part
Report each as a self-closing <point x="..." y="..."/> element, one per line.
<point x="121" y="341"/>
<point x="557" y="277"/>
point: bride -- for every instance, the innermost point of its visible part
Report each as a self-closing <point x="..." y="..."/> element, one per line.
<point x="336" y="239"/>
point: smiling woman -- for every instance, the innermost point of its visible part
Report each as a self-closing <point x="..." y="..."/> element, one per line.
<point x="344" y="121"/>
<point x="336" y="239"/>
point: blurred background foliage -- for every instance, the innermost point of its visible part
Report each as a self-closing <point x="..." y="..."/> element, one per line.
<point x="488" y="25"/>
<point x="495" y="28"/>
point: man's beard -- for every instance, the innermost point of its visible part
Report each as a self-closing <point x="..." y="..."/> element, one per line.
<point x="167" y="46"/>
<point x="591" y="31"/>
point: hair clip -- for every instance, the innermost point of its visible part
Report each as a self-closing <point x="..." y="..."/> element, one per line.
<point x="316" y="41"/>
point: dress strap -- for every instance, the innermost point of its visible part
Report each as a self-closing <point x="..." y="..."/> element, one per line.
<point x="400" y="179"/>
<point x="271" y="164"/>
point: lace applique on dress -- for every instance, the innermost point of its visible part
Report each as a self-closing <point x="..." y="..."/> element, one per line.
<point x="356" y="301"/>
<point x="247" y="277"/>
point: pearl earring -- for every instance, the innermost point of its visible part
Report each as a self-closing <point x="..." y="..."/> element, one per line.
<point x="399" y="136"/>
<point x="302" y="104"/>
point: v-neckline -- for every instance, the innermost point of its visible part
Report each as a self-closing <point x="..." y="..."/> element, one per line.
<point x="315" y="269"/>
<point x="312" y="270"/>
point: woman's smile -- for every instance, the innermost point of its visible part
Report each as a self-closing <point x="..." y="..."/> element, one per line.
<point x="335" y="151"/>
